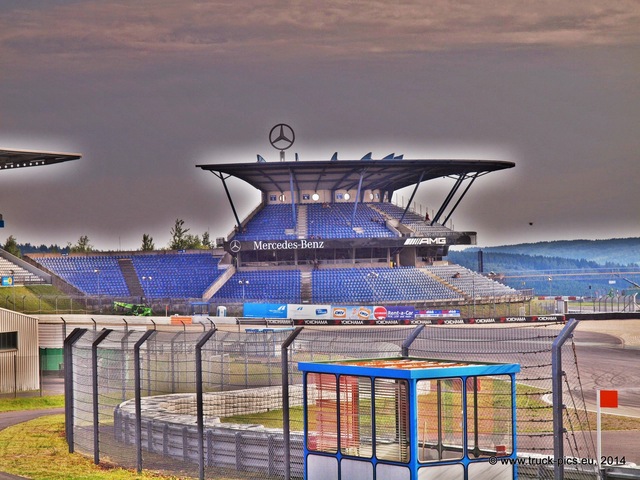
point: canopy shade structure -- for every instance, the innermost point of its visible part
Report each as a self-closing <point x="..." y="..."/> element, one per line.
<point x="384" y="175"/>
<point x="10" y="159"/>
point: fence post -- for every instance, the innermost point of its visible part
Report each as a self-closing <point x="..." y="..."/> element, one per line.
<point x="558" y="407"/>
<point x="199" y="399"/>
<point x="173" y="361"/>
<point x="124" y="350"/>
<point x="68" y="383"/>
<point x="94" y="384"/>
<point x="64" y="329"/>
<point x="284" y="358"/>
<point x="137" y="388"/>
<point x="410" y="339"/>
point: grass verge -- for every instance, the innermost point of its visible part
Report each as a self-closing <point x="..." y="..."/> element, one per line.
<point x="31" y="403"/>
<point x="38" y="450"/>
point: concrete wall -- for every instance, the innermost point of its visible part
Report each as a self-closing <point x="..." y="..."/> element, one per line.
<point x="169" y="428"/>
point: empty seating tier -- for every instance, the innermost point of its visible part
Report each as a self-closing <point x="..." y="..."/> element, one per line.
<point x="270" y="223"/>
<point x="412" y="220"/>
<point x="181" y="275"/>
<point x="470" y="283"/>
<point x="336" y="221"/>
<point x="404" y="284"/>
<point x="92" y="274"/>
<point x="279" y="286"/>
<point x="177" y="275"/>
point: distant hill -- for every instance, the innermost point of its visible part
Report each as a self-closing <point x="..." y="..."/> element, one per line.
<point x="615" y="251"/>
<point x="568" y="267"/>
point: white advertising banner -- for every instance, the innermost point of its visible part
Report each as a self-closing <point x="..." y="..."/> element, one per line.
<point x="297" y="311"/>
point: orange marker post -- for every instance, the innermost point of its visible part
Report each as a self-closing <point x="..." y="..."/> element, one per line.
<point x="604" y="399"/>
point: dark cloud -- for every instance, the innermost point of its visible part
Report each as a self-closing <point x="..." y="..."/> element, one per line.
<point x="98" y="33"/>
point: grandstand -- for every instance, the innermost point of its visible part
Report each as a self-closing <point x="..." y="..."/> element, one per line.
<point x="333" y="224"/>
<point x="325" y="233"/>
<point x="136" y="274"/>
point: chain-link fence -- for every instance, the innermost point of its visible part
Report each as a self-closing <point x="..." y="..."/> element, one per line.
<point x="226" y="404"/>
<point x="486" y="306"/>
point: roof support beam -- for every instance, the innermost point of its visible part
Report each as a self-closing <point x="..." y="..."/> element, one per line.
<point x="293" y="199"/>
<point x="460" y="199"/>
<point x="355" y="203"/>
<point x="412" y="195"/>
<point x="340" y="183"/>
<point x="226" y="189"/>
<point x="447" y="200"/>
<point x="320" y="175"/>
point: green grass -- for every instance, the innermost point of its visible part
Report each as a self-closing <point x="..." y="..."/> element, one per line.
<point x="534" y="415"/>
<point x="38" y="299"/>
<point x="271" y="419"/>
<point x="31" y="403"/>
<point x="38" y="450"/>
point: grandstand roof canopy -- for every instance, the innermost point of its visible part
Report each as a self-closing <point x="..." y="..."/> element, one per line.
<point x="386" y="175"/>
<point x="24" y="158"/>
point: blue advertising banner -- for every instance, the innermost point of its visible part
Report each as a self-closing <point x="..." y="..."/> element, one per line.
<point x="265" y="310"/>
<point x="7" y="281"/>
<point x="401" y="312"/>
<point x="437" y="313"/>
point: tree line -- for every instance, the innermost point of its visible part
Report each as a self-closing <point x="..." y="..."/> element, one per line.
<point x="180" y="239"/>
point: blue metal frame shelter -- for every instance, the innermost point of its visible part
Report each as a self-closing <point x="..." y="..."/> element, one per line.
<point x="409" y="419"/>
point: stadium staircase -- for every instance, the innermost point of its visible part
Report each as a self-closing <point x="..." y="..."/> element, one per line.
<point x="301" y="227"/>
<point x="393" y="224"/>
<point x="305" y="287"/>
<point x="218" y="283"/>
<point x="130" y="277"/>
<point x="442" y="281"/>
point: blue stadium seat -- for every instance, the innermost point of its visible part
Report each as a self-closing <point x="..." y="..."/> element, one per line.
<point x="277" y="286"/>
<point x="342" y="285"/>
<point x="177" y="275"/>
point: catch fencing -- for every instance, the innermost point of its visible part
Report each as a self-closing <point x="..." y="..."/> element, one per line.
<point x="226" y="404"/>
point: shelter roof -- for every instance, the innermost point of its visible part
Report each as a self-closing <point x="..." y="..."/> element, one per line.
<point x="24" y="158"/>
<point x="387" y="175"/>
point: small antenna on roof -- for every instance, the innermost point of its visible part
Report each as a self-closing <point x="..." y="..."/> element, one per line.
<point x="261" y="159"/>
<point x="398" y="157"/>
<point x="367" y="156"/>
<point x="334" y="157"/>
<point x="389" y="157"/>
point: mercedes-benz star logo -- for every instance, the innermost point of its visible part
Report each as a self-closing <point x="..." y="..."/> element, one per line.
<point x="235" y="246"/>
<point x="282" y="136"/>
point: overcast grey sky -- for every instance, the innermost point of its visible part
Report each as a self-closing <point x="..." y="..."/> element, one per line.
<point x="146" y="90"/>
